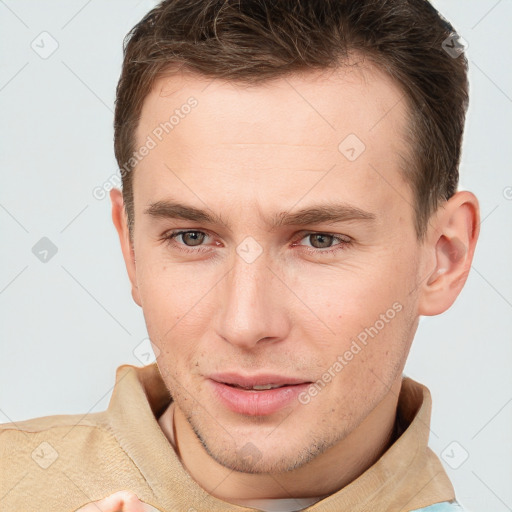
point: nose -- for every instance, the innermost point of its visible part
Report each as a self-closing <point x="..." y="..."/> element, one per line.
<point x="252" y="305"/>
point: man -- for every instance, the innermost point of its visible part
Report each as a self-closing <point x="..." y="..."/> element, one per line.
<point x="289" y="210"/>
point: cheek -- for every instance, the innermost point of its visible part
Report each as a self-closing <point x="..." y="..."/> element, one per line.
<point x="352" y="297"/>
<point x="178" y="304"/>
<point x="367" y="362"/>
<point x="165" y="286"/>
<point x="369" y="314"/>
<point x="166" y="299"/>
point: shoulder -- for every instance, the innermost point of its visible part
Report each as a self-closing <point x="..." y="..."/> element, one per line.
<point x="75" y="427"/>
<point x="445" y="506"/>
<point x="38" y="443"/>
<point x="60" y="457"/>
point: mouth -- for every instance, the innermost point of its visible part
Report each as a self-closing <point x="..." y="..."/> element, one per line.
<point x="263" y="387"/>
<point x="263" y="381"/>
<point x="257" y="396"/>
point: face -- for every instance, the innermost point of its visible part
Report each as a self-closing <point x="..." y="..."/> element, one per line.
<point x="265" y="282"/>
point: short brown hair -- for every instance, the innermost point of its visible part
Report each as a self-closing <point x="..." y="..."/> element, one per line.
<point x="255" y="41"/>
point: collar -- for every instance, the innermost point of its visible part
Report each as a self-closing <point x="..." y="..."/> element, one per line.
<point x="408" y="476"/>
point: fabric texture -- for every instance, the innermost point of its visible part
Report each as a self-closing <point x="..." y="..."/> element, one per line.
<point x="62" y="462"/>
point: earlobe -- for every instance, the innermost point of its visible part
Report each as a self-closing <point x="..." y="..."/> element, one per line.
<point x="456" y="233"/>
<point x="121" y="225"/>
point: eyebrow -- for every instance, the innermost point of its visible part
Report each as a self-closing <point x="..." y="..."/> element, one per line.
<point x="315" y="214"/>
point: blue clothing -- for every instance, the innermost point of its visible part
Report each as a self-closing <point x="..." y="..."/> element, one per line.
<point x="445" y="506"/>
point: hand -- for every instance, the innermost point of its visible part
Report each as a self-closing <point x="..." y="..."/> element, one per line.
<point x="122" y="501"/>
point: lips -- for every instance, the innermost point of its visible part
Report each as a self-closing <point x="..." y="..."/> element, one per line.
<point x="273" y="392"/>
<point x="259" y="387"/>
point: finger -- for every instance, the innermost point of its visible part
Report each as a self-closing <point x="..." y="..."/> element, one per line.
<point x="121" y="501"/>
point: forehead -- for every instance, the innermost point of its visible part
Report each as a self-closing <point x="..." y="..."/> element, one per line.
<point x="359" y="97"/>
<point x="220" y="135"/>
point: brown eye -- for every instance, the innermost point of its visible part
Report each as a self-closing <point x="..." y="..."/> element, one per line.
<point x="191" y="241"/>
<point x="321" y="240"/>
<point x="194" y="237"/>
<point x="321" y="244"/>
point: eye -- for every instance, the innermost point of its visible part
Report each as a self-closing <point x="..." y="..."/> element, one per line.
<point x="192" y="242"/>
<point x="194" y="237"/>
<point x="321" y="243"/>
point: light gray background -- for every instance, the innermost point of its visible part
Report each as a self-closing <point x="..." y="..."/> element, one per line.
<point x="68" y="323"/>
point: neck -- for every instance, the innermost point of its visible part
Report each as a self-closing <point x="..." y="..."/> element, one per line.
<point x="325" y="475"/>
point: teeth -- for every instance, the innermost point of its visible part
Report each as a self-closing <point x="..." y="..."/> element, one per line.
<point x="266" y="386"/>
<point x="259" y="388"/>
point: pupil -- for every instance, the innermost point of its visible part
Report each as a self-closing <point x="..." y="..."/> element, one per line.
<point x="316" y="237"/>
<point x="194" y="235"/>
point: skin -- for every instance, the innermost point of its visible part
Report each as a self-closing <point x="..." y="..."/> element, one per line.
<point x="121" y="501"/>
<point x="246" y="153"/>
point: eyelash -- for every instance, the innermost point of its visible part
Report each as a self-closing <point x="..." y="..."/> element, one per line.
<point x="344" y="242"/>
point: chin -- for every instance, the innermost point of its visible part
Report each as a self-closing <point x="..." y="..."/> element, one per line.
<point x="259" y="464"/>
<point x="266" y="456"/>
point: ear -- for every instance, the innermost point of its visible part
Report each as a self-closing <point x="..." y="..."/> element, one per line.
<point x="450" y="244"/>
<point x="119" y="218"/>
